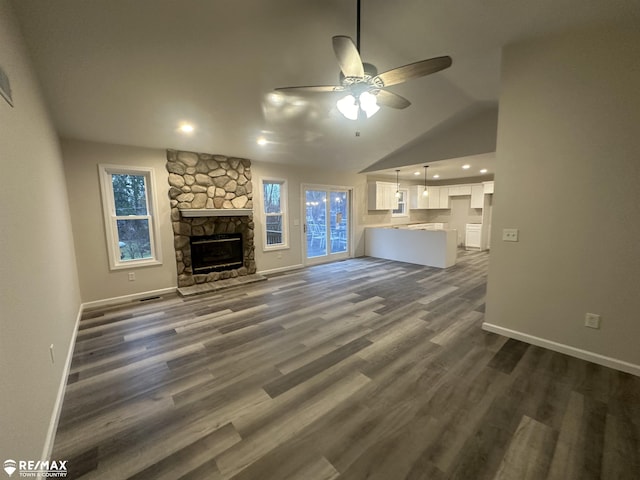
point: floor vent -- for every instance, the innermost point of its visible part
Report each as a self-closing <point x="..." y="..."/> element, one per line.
<point x="149" y="298"/>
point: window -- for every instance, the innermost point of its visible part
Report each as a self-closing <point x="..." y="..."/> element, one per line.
<point x="274" y="201"/>
<point x="128" y="202"/>
<point x="402" y="210"/>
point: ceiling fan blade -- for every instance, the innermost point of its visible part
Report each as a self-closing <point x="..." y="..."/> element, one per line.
<point x="414" y="70"/>
<point x="390" y="99"/>
<point x="312" y="89"/>
<point x="348" y="56"/>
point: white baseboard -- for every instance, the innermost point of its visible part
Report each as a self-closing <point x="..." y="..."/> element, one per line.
<point x="57" y="408"/>
<point x="566" y="349"/>
<point x="280" y="269"/>
<point x="108" y="302"/>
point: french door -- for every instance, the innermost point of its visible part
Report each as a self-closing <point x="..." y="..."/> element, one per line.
<point x="327" y="226"/>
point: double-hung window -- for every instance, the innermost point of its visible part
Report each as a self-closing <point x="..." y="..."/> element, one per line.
<point x="274" y="210"/>
<point x="402" y="210"/>
<point x="131" y="225"/>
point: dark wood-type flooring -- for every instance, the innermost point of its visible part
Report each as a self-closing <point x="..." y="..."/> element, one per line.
<point x="365" y="368"/>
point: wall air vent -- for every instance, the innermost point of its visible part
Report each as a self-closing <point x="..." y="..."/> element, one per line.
<point x="5" y="87"/>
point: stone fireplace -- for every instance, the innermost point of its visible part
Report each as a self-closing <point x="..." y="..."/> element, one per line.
<point x="211" y="212"/>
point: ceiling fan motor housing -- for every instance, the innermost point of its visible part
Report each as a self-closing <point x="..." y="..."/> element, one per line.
<point x="369" y="80"/>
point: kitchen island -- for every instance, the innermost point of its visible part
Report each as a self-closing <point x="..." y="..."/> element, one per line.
<point x="412" y="244"/>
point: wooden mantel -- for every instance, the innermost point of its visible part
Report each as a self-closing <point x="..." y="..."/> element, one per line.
<point x="216" y="212"/>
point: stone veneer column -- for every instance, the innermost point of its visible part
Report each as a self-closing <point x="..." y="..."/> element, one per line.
<point x="200" y="180"/>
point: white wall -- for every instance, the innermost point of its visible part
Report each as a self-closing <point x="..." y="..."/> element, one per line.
<point x="470" y="132"/>
<point x="97" y="281"/>
<point x="39" y="292"/>
<point x="568" y="171"/>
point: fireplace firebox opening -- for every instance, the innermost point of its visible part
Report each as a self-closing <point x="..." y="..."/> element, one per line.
<point x="215" y="253"/>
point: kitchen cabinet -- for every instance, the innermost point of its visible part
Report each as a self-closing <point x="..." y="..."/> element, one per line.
<point x="458" y="190"/>
<point x="438" y="197"/>
<point x="444" y="197"/>
<point x="434" y="197"/>
<point x="477" y="196"/>
<point x="488" y="187"/>
<point x="382" y="196"/>
<point x="473" y="235"/>
<point x="417" y="200"/>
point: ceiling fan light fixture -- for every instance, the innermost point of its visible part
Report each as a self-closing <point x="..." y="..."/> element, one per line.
<point x="368" y="103"/>
<point x="348" y="107"/>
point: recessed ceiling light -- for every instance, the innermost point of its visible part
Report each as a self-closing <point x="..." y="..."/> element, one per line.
<point x="186" y="128"/>
<point x="484" y="170"/>
<point x="466" y="167"/>
<point x="416" y="173"/>
<point x="436" y="176"/>
<point x="262" y="141"/>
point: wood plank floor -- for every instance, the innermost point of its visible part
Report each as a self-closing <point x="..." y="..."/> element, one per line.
<point x="359" y="369"/>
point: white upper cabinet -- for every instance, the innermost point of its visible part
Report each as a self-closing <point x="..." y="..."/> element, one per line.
<point x="417" y="200"/>
<point x="438" y="197"/>
<point x="382" y="196"/>
<point x="434" y="197"/>
<point x="444" y="197"/>
<point x="477" y="196"/>
<point x="457" y="190"/>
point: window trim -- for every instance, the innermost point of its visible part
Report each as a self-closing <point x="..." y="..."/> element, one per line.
<point x="284" y="212"/>
<point x="405" y="202"/>
<point x="110" y="218"/>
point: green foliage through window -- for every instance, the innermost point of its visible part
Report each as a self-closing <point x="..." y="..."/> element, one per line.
<point x="134" y="240"/>
<point x="129" y="194"/>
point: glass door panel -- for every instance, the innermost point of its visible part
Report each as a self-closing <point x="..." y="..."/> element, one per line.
<point x="327" y="224"/>
<point x="339" y="220"/>
<point x="316" y="226"/>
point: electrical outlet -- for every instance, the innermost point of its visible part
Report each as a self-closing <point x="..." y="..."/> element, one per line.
<point x="132" y="276"/>
<point x="52" y="353"/>
<point x="592" y="320"/>
<point x="510" y="234"/>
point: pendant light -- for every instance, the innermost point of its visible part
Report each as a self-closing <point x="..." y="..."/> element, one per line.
<point x="397" y="184"/>
<point x="425" y="192"/>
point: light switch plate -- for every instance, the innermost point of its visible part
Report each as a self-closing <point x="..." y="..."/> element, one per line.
<point x="510" y="234"/>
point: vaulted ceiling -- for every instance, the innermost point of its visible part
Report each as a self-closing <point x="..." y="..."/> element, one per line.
<point x="129" y="72"/>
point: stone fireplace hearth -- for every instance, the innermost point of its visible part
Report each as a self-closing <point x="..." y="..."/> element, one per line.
<point x="210" y="195"/>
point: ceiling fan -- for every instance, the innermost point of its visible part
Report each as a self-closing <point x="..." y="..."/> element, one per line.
<point x="364" y="86"/>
